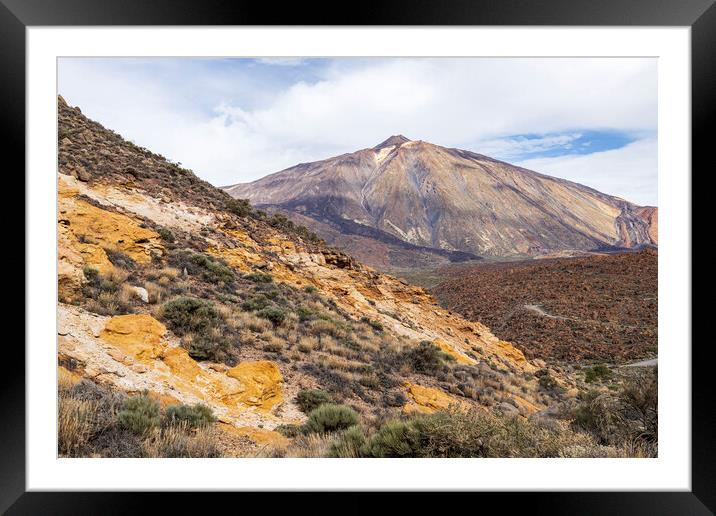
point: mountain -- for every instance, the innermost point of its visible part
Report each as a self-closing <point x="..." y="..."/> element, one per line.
<point x="446" y="204"/>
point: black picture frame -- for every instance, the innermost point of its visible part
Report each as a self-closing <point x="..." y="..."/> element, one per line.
<point x="700" y="15"/>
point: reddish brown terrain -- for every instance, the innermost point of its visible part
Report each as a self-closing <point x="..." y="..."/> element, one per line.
<point x="601" y="307"/>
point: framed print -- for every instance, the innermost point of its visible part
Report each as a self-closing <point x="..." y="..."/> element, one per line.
<point x="417" y="249"/>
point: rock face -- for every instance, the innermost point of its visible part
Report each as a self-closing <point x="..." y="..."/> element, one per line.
<point x="427" y="400"/>
<point x="262" y="381"/>
<point x="449" y="201"/>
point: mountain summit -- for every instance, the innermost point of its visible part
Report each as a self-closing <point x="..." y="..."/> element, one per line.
<point x="394" y="140"/>
<point x="407" y="203"/>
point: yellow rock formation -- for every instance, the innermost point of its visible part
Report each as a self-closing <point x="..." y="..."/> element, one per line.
<point x="427" y="400"/>
<point x="459" y="357"/>
<point x="137" y="335"/>
<point x="262" y="382"/>
<point x="240" y="258"/>
<point x="111" y="230"/>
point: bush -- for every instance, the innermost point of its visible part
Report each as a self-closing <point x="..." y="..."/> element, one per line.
<point x="187" y="314"/>
<point x="166" y="235"/>
<point x="139" y="414"/>
<point x="207" y="347"/>
<point x="597" y="373"/>
<point x="176" y="441"/>
<point x="259" y="277"/>
<point x="240" y="207"/>
<point x="310" y="289"/>
<point x="75" y="424"/>
<point x="376" y="325"/>
<point x="426" y="358"/>
<point x="194" y="416"/>
<point x="546" y="380"/>
<point x="255" y="303"/>
<point x="476" y="434"/>
<point x="330" y="418"/>
<point x="394" y="439"/>
<point x="208" y="269"/>
<point x="91" y="274"/>
<point x="289" y="430"/>
<point x="310" y="399"/>
<point x="273" y="314"/>
<point x="120" y="259"/>
<point x="628" y="417"/>
<point x="349" y="443"/>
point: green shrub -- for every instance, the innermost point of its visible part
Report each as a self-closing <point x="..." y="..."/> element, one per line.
<point x="289" y="430"/>
<point x="330" y="418"/>
<point x="394" y="439"/>
<point x="208" y="269"/>
<point x="259" y="277"/>
<point x="376" y="325"/>
<point x="108" y="286"/>
<point x="273" y="314"/>
<point x="139" y="414"/>
<point x="188" y="314"/>
<point x="310" y="289"/>
<point x="427" y="358"/>
<point x="598" y="372"/>
<point x="193" y="415"/>
<point x="91" y="274"/>
<point x="240" y="207"/>
<point x="305" y="314"/>
<point x="208" y="347"/>
<point x="255" y="303"/>
<point x="166" y="235"/>
<point x="310" y="399"/>
<point x="349" y="443"/>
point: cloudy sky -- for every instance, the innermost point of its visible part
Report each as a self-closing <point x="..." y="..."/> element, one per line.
<point x="590" y="120"/>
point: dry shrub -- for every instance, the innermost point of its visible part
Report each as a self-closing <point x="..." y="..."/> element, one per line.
<point x="126" y="294"/>
<point x="303" y="446"/>
<point x="321" y="327"/>
<point x="155" y="292"/>
<point x="76" y="420"/>
<point x="178" y="440"/>
<point x="247" y="320"/>
<point x="116" y="276"/>
<point x="307" y="344"/>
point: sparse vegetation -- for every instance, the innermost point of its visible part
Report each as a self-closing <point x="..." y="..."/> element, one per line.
<point x="330" y="417"/>
<point x="166" y="235"/>
<point x="194" y="416"/>
<point x="310" y="399"/>
<point x="259" y="277"/>
<point x="209" y="269"/>
<point x="597" y="373"/>
<point x="139" y="414"/>
<point x="273" y="314"/>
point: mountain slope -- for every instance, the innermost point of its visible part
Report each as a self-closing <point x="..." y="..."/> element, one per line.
<point x="167" y="284"/>
<point x="452" y="200"/>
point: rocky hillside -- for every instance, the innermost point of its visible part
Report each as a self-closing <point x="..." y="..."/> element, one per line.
<point x="168" y="285"/>
<point x="457" y="203"/>
<point x="591" y="308"/>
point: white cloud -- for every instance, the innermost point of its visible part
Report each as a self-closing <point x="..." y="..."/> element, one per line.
<point x="629" y="172"/>
<point x="356" y="103"/>
<point x="517" y="146"/>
